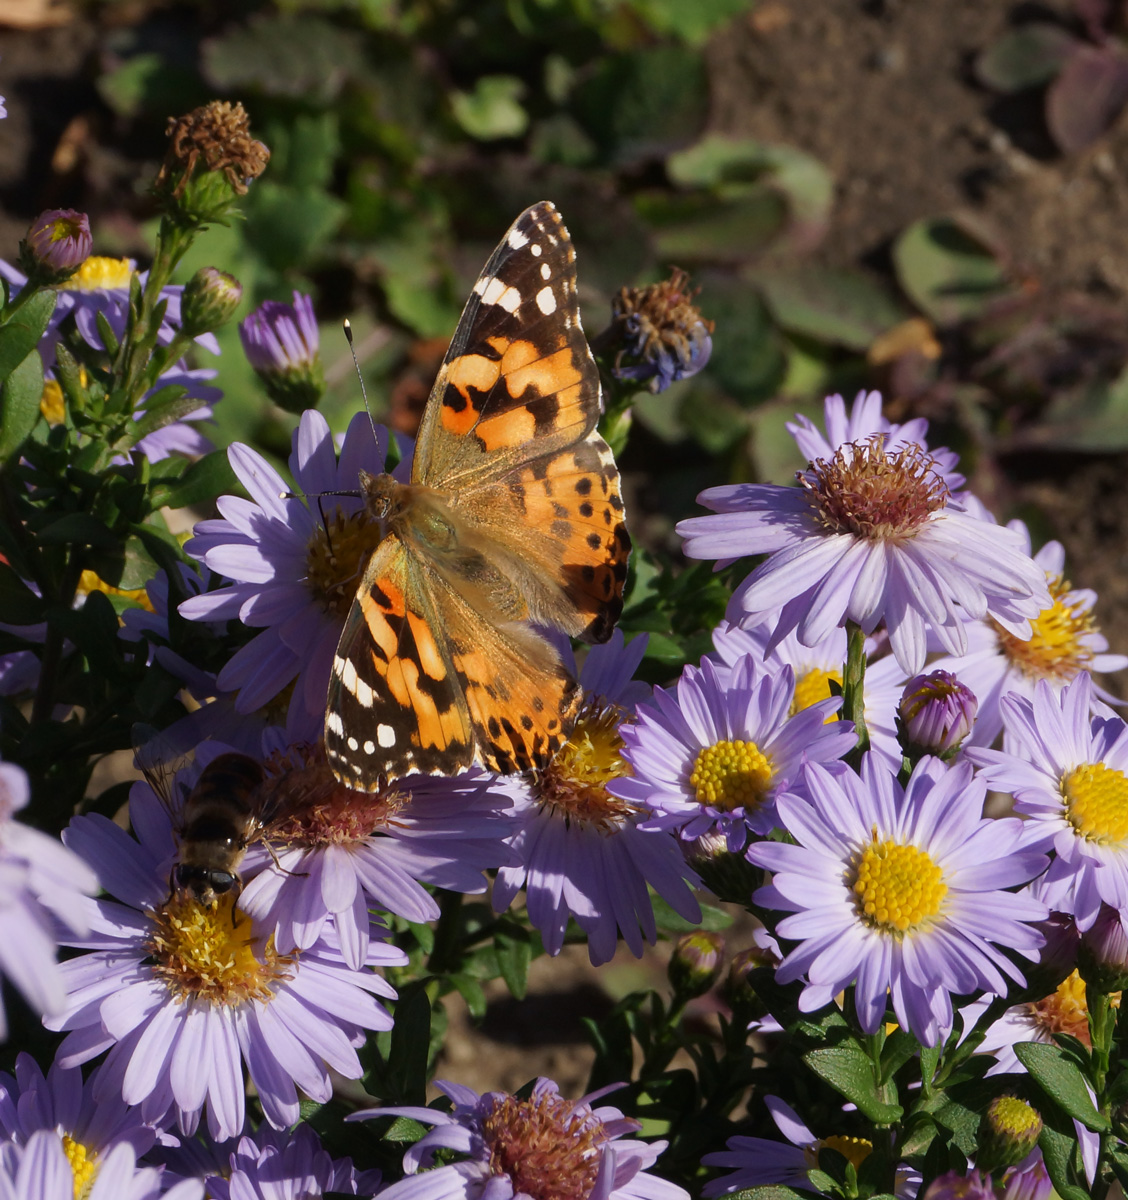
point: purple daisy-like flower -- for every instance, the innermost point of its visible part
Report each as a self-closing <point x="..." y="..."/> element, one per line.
<point x="816" y="667"/>
<point x="59" y="240"/>
<point x="757" y="1162"/>
<point x="294" y="574"/>
<point x="182" y="994"/>
<point x="898" y="892"/>
<point x="274" y="1165"/>
<point x="872" y="534"/>
<point x="1064" y="642"/>
<point x="1068" y="773"/>
<point x="339" y="852"/>
<point x="545" y="1145"/>
<point x="581" y="852"/>
<point x="711" y="755"/>
<point x="40" y="1170"/>
<point x="43" y="889"/>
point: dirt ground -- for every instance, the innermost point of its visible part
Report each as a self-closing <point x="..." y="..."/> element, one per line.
<point x="880" y="91"/>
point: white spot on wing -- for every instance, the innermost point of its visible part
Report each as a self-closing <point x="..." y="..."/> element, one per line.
<point x="386" y="736"/>
<point x="535" y="251"/>
<point x="496" y="292"/>
<point x="546" y="271"/>
<point x="546" y="301"/>
<point x="517" y="239"/>
<point x="353" y="744"/>
<point x="334" y="723"/>
<point x="370" y="747"/>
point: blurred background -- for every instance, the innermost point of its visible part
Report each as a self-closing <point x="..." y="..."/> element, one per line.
<point x="925" y="198"/>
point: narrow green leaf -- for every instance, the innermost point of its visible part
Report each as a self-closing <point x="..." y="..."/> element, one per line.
<point x="1062" y="1082"/>
<point x="471" y="991"/>
<point x="406" y="1073"/>
<point x="81" y="529"/>
<point x="19" y="403"/>
<point x="20" y="335"/>
<point x="1059" y="1151"/>
<point x="514" y="950"/>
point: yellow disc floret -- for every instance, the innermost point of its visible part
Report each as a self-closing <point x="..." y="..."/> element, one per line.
<point x="83" y="1165"/>
<point x="898" y="888"/>
<point x="731" y="775"/>
<point x="813" y="686"/>
<point x="1058" y="648"/>
<point x="99" y="272"/>
<point x="854" y="1149"/>
<point x="1096" y="802"/>
<point x="575" y="782"/>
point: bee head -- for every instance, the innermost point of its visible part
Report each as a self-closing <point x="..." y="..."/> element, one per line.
<point x="204" y="884"/>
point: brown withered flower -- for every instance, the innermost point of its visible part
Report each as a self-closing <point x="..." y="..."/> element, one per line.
<point x="214" y="137"/>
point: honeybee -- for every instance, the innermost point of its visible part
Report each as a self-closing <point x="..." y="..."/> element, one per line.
<point x="223" y="813"/>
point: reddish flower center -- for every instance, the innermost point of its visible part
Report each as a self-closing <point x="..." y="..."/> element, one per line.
<point x="575" y="781"/>
<point x="870" y="493"/>
<point x="548" y="1146"/>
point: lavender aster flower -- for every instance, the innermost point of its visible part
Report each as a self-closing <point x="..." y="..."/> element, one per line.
<point x="340" y="852"/>
<point x="898" y="892"/>
<point x="541" y="1146"/>
<point x="872" y="534"/>
<point x="1065" y="641"/>
<point x="273" y="1165"/>
<point x="713" y="754"/>
<point x="1069" y="777"/>
<point x="581" y="850"/>
<point x="293" y="574"/>
<point x="39" y="1170"/>
<point x="42" y="886"/>
<point x="182" y="994"/>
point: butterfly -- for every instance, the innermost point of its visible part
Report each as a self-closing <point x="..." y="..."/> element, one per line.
<point x="512" y="519"/>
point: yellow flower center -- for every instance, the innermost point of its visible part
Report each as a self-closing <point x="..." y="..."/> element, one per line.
<point x="99" y="272"/>
<point x="854" y="1149"/>
<point x="731" y="775"/>
<point x="813" y="686"/>
<point x="898" y="888"/>
<point x="83" y="1165"/>
<point x="1014" y="1117"/>
<point x="89" y="582"/>
<point x="575" y="781"/>
<point x="51" y="403"/>
<point x="1096" y="802"/>
<point x="337" y="554"/>
<point x="1066" y="1009"/>
<point x="874" y="494"/>
<point x="1057" y="649"/>
<point x="211" y="953"/>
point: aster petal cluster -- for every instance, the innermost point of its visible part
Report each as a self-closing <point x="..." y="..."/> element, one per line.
<point x="899" y="892"/>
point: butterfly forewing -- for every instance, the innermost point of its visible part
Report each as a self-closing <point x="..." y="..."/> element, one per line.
<point x="522" y="521"/>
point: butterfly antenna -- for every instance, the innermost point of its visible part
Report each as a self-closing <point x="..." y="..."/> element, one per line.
<point x="347" y="327"/>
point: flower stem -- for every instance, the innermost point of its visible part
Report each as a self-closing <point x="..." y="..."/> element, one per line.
<point x="853" y="690"/>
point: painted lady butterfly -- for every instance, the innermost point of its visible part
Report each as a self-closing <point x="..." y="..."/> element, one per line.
<point x="513" y="515"/>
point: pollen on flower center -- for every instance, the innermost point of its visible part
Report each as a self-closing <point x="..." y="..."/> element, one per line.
<point x="337" y="554"/>
<point x="1096" y="802"/>
<point x="575" y="781"/>
<point x="99" y="272"/>
<point x="1058" y="647"/>
<point x="867" y="492"/>
<point x="854" y="1149"/>
<point x="1066" y="1009"/>
<point x="731" y="775"/>
<point x="211" y="953"/>
<point x="83" y="1165"/>
<point x="813" y="686"/>
<point x="898" y="888"/>
<point x="548" y="1146"/>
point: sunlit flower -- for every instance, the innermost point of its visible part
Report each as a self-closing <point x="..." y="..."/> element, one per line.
<point x="545" y="1145"/>
<point x="873" y="533"/>
<point x="1068" y="773"/>
<point x="713" y="753"/>
<point x="42" y="886"/>
<point x="275" y="1165"/>
<point x="294" y="574"/>
<point x="282" y="344"/>
<point x="581" y="852"/>
<point x="181" y="994"/>
<point x="898" y="892"/>
<point x="58" y="241"/>
<point x="1064" y="642"/>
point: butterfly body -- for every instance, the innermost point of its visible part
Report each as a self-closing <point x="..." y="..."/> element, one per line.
<point x="512" y="519"/>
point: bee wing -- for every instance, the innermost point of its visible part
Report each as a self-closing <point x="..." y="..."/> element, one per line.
<point x="157" y="757"/>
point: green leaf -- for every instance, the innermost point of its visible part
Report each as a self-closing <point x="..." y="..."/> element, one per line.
<point x="1025" y="57"/>
<point x="406" y="1074"/>
<point x="287" y="225"/>
<point x="842" y="307"/>
<point x="773" y="1191"/>
<point x="1059" y="1152"/>
<point x="20" y="335"/>
<point x="701" y="227"/>
<point x="18" y="603"/>
<point x="19" y="404"/>
<point x="849" y="1070"/>
<point x="81" y="529"/>
<point x="899" y="1047"/>
<point x="493" y="109"/>
<point x="149" y="82"/>
<point x="1063" y="1082"/>
<point x="471" y="991"/>
<point x="692" y="23"/>
<point x="514" y="949"/>
<point x="748" y="359"/>
<point x="947" y="269"/>
<point x="200" y="483"/>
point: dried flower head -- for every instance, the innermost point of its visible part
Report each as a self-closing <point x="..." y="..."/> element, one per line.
<point x="216" y="137"/>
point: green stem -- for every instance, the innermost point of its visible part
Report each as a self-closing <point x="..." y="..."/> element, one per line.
<point x="443" y="952"/>
<point x="853" y="690"/>
<point x="13" y="306"/>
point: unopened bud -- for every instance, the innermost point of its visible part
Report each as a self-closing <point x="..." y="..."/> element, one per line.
<point x="936" y="713"/>
<point x="695" y="965"/>
<point x="1010" y="1130"/>
<point x="56" y="245"/>
<point x="738" y="990"/>
<point x="210" y="299"/>
<point x="281" y="342"/>
<point x="1102" y="960"/>
<point x="730" y="877"/>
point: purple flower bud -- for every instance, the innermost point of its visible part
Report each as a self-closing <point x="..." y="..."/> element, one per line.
<point x="281" y="342"/>
<point x="210" y="299"/>
<point x="57" y="243"/>
<point x="658" y="334"/>
<point x="1103" y="958"/>
<point x="695" y="964"/>
<point x="937" y="712"/>
<point x="955" y="1186"/>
